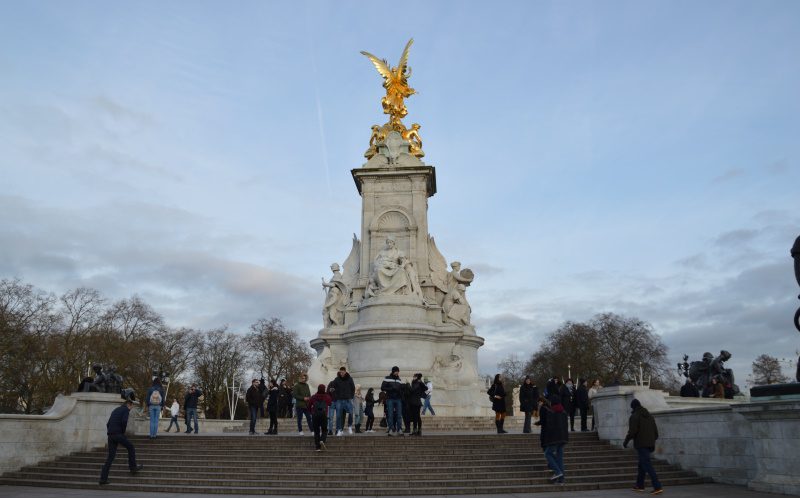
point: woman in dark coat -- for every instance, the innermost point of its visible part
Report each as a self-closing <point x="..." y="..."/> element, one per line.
<point x="497" y="393"/>
<point x="528" y="397"/>
<point x="368" y="411"/>
<point x="272" y="406"/>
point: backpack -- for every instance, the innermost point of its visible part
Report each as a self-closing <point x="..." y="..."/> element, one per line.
<point x="320" y="408"/>
<point x="155" y="397"/>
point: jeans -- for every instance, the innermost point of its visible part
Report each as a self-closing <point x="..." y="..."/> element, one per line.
<point x="113" y="441"/>
<point x="173" y="420"/>
<point x="646" y="467"/>
<point x="191" y="414"/>
<point x="331" y="416"/>
<point x="300" y="412"/>
<point x="155" y="412"/>
<point x="319" y="430"/>
<point x="253" y="417"/>
<point x="358" y="407"/>
<point x="555" y="458"/>
<point x="394" y="410"/>
<point x="527" y="427"/>
<point x="342" y="405"/>
<point x="427" y="405"/>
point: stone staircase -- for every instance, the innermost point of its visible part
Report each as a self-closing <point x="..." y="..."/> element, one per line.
<point x="368" y="464"/>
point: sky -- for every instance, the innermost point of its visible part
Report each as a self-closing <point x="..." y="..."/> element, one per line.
<point x="640" y="158"/>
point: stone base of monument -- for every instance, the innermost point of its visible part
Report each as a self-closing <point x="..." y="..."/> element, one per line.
<point x="350" y="466"/>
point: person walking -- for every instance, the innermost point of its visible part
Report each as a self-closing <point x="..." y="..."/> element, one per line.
<point x="497" y="393"/>
<point x="272" y="407"/>
<point x="554" y="436"/>
<point x="343" y="389"/>
<point x="596" y="386"/>
<point x="418" y="389"/>
<point x="115" y="430"/>
<point x="393" y="387"/>
<point x="174" y="411"/>
<point x="190" y="408"/>
<point x="358" y="408"/>
<point x="319" y="404"/>
<point x="428" y="393"/>
<point x="254" y="401"/>
<point x="155" y="403"/>
<point x="369" y="409"/>
<point x="528" y="399"/>
<point x="582" y="402"/>
<point x="301" y="392"/>
<point x="642" y="430"/>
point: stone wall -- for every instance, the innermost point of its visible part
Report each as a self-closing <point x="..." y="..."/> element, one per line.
<point x="756" y="444"/>
<point x="74" y="423"/>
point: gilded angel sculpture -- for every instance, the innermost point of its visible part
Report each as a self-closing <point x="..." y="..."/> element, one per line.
<point x="395" y="81"/>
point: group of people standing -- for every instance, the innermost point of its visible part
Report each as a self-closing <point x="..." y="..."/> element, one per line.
<point x="155" y="401"/>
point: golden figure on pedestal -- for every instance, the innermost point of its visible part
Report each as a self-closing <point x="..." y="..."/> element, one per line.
<point x="395" y="81"/>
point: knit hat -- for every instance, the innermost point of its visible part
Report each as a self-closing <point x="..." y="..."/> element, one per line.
<point x="635" y="404"/>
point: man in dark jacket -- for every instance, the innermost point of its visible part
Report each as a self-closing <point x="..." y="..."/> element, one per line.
<point x="115" y="428"/>
<point x="190" y="405"/>
<point x="393" y="387"/>
<point x="643" y="431"/>
<point x="554" y="436"/>
<point x="582" y="403"/>
<point x="343" y="389"/>
<point x="254" y="400"/>
<point x="567" y="394"/>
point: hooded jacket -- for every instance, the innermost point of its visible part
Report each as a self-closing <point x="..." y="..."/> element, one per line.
<point x="392" y="386"/>
<point x="642" y="427"/>
<point x="554" y="425"/>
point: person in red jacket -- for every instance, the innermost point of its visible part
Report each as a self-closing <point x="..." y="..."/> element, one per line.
<point x="318" y="405"/>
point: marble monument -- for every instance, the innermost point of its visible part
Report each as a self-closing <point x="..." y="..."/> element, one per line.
<point x="393" y="301"/>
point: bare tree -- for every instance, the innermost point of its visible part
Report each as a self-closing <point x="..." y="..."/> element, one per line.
<point x="512" y="368"/>
<point x="133" y="318"/>
<point x="609" y="347"/>
<point x="219" y="359"/>
<point x="276" y="351"/>
<point x="767" y="370"/>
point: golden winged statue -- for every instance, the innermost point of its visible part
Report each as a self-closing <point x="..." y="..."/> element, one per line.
<point x="395" y="81"/>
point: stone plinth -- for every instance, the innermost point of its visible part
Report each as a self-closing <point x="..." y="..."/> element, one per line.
<point x="74" y="423"/>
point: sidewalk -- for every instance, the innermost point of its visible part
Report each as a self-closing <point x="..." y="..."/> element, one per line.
<point x="696" y="491"/>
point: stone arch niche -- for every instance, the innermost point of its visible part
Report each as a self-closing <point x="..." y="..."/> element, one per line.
<point x="396" y="222"/>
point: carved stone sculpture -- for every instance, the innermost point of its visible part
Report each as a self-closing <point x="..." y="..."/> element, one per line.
<point x="390" y="275"/>
<point x="455" y="307"/>
<point x="336" y="300"/>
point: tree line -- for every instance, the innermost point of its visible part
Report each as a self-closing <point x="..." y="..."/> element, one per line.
<point x="48" y="343"/>
<point x="609" y="347"/>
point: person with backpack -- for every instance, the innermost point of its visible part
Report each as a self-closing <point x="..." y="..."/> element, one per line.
<point x="155" y="403"/>
<point x="319" y="404"/>
<point x="254" y="401"/>
<point x="554" y="436"/>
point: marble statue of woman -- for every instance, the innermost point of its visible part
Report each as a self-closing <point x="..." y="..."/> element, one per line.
<point x="335" y="299"/>
<point x="389" y="275"/>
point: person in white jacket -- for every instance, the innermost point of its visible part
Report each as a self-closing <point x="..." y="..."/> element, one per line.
<point x="174" y="411"/>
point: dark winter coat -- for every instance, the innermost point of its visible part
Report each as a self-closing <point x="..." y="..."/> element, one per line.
<point x="190" y="401"/>
<point x="118" y="420"/>
<point x="642" y="429"/>
<point x="554" y="427"/>
<point x="343" y="387"/>
<point x="253" y="396"/>
<point x="528" y="396"/>
<point x="418" y="389"/>
<point x="567" y="397"/>
<point x="498" y="405"/>
<point x="323" y="397"/>
<point x="689" y="391"/>
<point x="300" y="392"/>
<point x="582" y="398"/>
<point x="272" y="399"/>
<point x="392" y="386"/>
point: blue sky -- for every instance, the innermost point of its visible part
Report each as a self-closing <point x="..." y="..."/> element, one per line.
<point x="634" y="157"/>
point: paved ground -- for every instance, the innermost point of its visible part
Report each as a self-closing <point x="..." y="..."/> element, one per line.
<point x="696" y="491"/>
